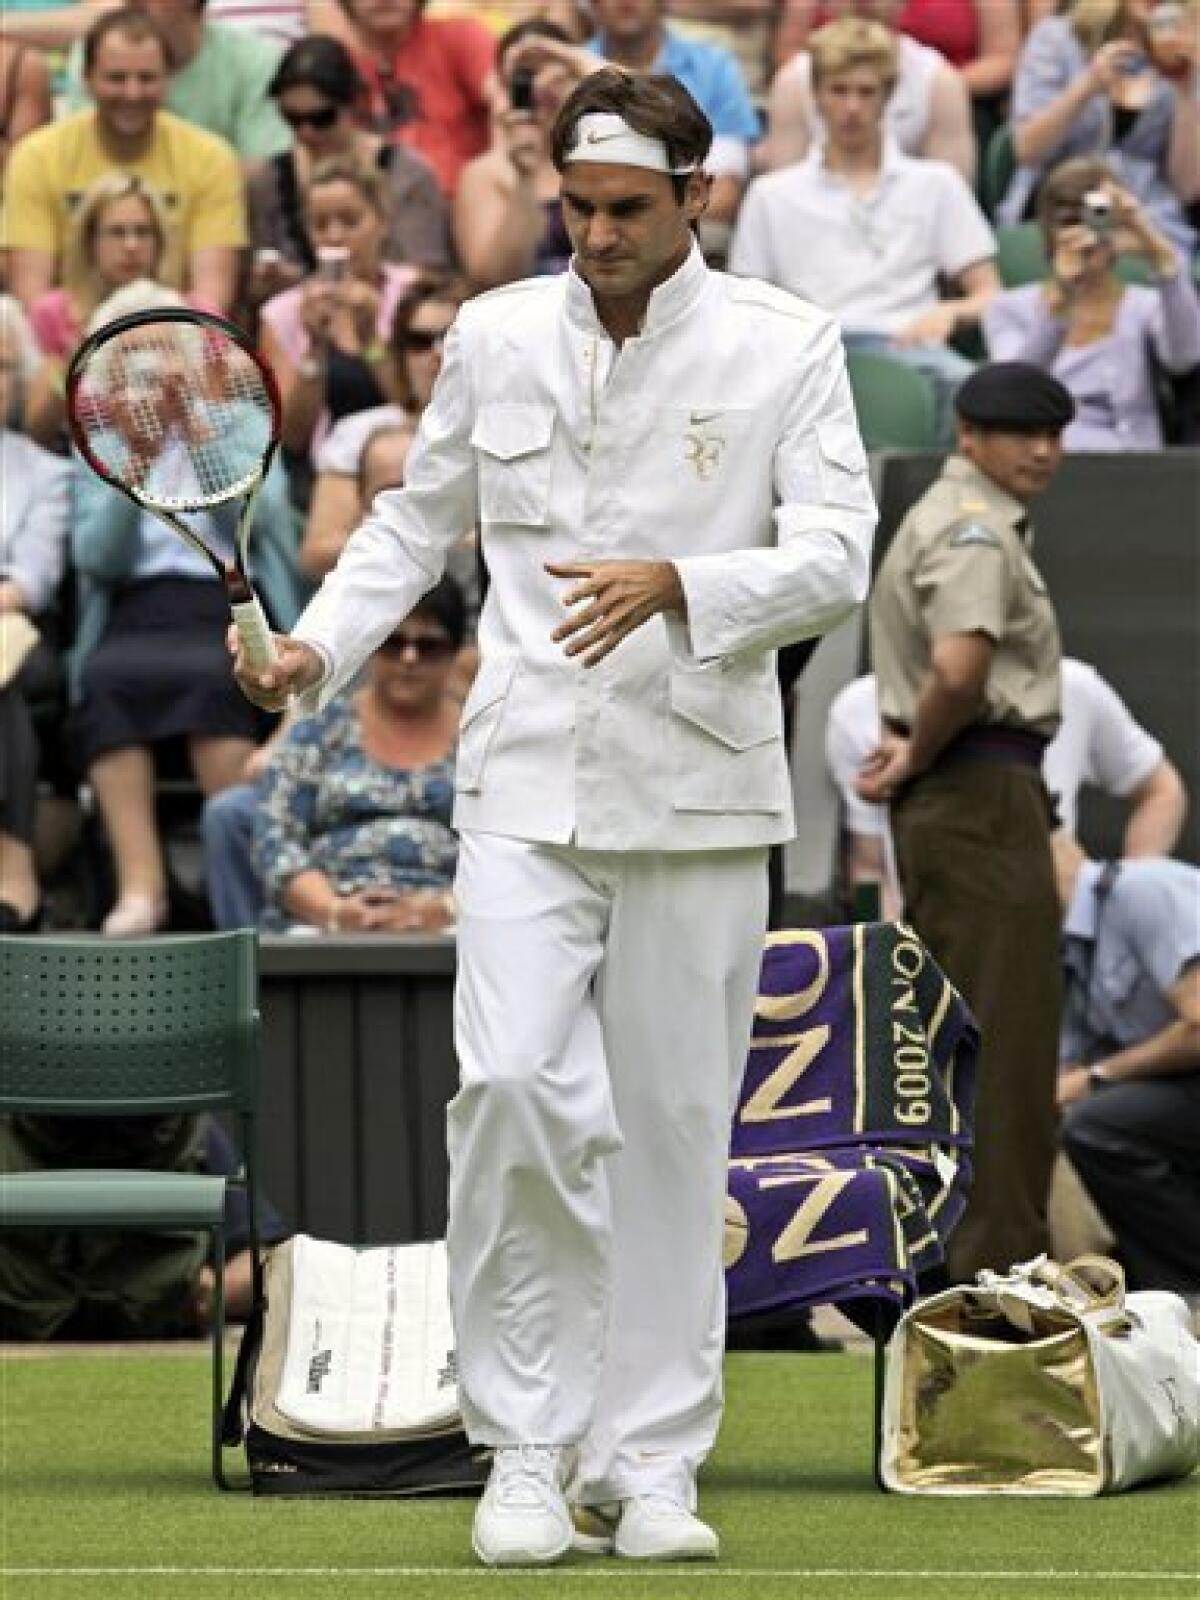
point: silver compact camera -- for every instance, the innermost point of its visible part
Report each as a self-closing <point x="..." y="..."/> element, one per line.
<point x="1097" y="211"/>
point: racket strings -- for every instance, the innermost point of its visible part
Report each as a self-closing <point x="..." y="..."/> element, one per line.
<point x="178" y="412"/>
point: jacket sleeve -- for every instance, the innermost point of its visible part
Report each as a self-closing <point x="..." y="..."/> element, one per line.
<point x="819" y="567"/>
<point x="399" y="552"/>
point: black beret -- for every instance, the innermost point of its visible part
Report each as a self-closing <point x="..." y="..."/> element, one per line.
<point x="1016" y="395"/>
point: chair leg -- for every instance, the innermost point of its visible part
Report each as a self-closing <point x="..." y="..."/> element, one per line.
<point x="218" y="1359"/>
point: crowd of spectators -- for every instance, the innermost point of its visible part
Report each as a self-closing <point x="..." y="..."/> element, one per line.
<point x="340" y="175"/>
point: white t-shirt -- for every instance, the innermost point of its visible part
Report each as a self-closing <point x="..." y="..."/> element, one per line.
<point x="342" y="448"/>
<point x="873" y="262"/>
<point x="1098" y="742"/>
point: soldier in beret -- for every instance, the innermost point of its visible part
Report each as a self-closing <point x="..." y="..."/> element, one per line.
<point x="966" y="649"/>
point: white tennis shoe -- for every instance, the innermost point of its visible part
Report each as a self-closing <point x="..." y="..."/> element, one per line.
<point x="523" y="1520"/>
<point x="647" y="1527"/>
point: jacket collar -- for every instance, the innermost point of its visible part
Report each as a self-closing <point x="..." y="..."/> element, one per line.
<point x="672" y="299"/>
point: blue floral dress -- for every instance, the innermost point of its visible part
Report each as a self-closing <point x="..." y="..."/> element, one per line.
<point x="328" y="806"/>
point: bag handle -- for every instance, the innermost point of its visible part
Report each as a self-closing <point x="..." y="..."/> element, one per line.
<point x="1089" y="1287"/>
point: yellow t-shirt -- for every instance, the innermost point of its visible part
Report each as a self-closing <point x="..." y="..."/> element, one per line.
<point x="196" y="173"/>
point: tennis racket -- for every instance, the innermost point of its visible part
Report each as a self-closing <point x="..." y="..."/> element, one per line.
<point x="176" y="410"/>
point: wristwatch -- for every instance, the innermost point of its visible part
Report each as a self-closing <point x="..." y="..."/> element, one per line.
<point x="1099" y="1079"/>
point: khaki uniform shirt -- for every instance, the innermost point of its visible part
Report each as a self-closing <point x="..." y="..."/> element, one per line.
<point x="960" y="562"/>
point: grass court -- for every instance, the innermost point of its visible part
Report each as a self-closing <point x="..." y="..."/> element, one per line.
<point x="104" y="1495"/>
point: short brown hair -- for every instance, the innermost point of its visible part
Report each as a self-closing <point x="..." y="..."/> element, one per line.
<point x="853" y="42"/>
<point x="130" y="24"/>
<point x="1060" y="198"/>
<point x="654" y="104"/>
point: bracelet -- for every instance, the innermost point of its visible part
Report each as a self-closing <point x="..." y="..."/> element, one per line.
<point x="375" y="352"/>
<point x="310" y="368"/>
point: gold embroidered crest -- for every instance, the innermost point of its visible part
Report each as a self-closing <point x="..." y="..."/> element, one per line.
<point x="702" y="448"/>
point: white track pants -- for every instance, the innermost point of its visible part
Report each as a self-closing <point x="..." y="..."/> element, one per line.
<point x="602" y="1013"/>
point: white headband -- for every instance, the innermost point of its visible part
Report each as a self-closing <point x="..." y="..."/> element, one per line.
<point x="605" y="136"/>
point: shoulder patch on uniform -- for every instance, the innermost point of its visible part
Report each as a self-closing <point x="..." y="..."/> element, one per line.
<point x="975" y="533"/>
<point x="755" y="292"/>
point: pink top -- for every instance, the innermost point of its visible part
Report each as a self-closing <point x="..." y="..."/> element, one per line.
<point x="282" y="315"/>
<point x="57" y="327"/>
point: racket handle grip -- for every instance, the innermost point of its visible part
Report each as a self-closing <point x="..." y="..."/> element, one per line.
<point x="255" y="632"/>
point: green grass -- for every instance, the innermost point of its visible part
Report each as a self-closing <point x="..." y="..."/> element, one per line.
<point x="103" y="1474"/>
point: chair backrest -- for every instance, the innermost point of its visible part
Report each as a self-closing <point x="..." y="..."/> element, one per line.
<point x="1021" y="255"/>
<point x="91" y="1025"/>
<point x="996" y="173"/>
<point x="896" y="406"/>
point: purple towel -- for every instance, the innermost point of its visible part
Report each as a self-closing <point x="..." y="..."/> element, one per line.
<point x="850" y="1156"/>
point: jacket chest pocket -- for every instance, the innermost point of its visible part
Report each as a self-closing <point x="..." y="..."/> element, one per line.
<point x="513" y="449"/>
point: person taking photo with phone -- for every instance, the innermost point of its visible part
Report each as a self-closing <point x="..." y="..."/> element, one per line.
<point x="1114" y="79"/>
<point x="320" y="93"/>
<point x="508" y="221"/>
<point x="327" y="337"/>
<point x="1097" y="334"/>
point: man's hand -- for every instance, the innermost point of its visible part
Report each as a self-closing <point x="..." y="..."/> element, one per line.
<point x="1073" y="1084"/>
<point x="298" y="668"/>
<point x="887" y="769"/>
<point x="614" y="598"/>
<point x="933" y="326"/>
<point x="524" y="142"/>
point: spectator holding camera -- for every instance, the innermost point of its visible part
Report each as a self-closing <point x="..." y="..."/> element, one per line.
<point x="1096" y="333"/>
<point x="1116" y="79"/>
<point x="508" y="220"/>
<point x="319" y="92"/>
<point x="327" y="338"/>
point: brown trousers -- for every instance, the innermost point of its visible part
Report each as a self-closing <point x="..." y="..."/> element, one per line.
<point x="973" y="850"/>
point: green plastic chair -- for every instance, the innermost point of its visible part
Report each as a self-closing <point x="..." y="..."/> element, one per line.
<point x="1021" y="255"/>
<point x="95" y="1027"/>
<point x="896" y="405"/>
<point x="996" y="171"/>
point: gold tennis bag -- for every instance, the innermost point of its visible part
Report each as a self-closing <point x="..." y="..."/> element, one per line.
<point x="1047" y="1380"/>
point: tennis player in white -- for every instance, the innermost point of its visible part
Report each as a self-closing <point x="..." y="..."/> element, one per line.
<point x="667" y="473"/>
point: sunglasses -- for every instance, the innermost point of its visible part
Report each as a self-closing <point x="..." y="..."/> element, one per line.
<point x="322" y="119"/>
<point x="421" y="339"/>
<point x="425" y="646"/>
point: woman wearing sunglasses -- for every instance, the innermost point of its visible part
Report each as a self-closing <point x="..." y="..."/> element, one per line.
<point x="352" y="833"/>
<point x="318" y="92"/>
